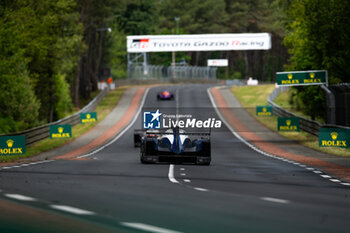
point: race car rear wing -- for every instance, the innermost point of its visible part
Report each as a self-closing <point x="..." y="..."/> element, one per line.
<point x="163" y="131"/>
<point x="139" y="133"/>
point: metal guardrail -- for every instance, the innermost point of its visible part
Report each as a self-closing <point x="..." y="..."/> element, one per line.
<point x="41" y="132"/>
<point x="306" y="125"/>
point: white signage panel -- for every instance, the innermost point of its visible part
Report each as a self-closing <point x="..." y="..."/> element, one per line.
<point x="217" y="62"/>
<point x="200" y="42"/>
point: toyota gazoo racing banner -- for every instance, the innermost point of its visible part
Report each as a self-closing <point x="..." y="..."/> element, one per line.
<point x="200" y="42"/>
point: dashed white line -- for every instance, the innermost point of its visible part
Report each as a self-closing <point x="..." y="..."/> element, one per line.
<point x="201" y="189"/>
<point x="182" y="174"/>
<point x="26" y="164"/>
<point x="251" y="145"/>
<point x="182" y="169"/>
<point x="19" y="197"/>
<point x="335" y="180"/>
<point x="149" y="228"/>
<point x="171" y="174"/>
<point x="72" y="210"/>
<point x="310" y="168"/>
<point x="346" y="184"/>
<point x="276" y="200"/>
<point x="187" y="180"/>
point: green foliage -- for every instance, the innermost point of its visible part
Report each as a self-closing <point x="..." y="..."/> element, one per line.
<point x="237" y="75"/>
<point x="63" y="99"/>
<point x="117" y="53"/>
<point x="18" y="104"/>
<point x="139" y="18"/>
<point x="311" y="101"/>
<point x="7" y="125"/>
<point x="43" y="37"/>
<point x="318" y="37"/>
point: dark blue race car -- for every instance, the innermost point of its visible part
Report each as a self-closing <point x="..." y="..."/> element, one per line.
<point x="173" y="146"/>
<point x="165" y="95"/>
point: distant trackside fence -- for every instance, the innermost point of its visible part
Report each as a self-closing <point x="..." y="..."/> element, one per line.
<point x="171" y="72"/>
<point x="41" y="132"/>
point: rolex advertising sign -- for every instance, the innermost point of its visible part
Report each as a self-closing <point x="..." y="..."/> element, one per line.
<point x="299" y="78"/>
<point x="12" y="145"/>
<point x="288" y="124"/>
<point x="60" y="131"/>
<point x="333" y="137"/>
<point x="264" y="111"/>
<point x="88" y="117"/>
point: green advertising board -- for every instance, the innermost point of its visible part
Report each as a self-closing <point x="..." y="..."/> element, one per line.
<point x="264" y="111"/>
<point x="298" y="78"/>
<point x="333" y="137"/>
<point x="12" y="145"/>
<point x="60" y="131"/>
<point x="288" y="124"/>
<point x="88" y="117"/>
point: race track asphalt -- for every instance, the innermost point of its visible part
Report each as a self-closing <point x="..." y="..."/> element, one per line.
<point x="241" y="191"/>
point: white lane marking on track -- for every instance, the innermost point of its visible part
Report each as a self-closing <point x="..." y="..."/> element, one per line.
<point x="276" y="200"/>
<point x="26" y="164"/>
<point x="182" y="169"/>
<point x="146" y="227"/>
<point x="182" y="174"/>
<point x="317" y="172"/>
<point x="72" y="210"/>
<point x="187" y="180"/>
<point x="171" y="166"/>
<point x="122" y="132"/>
<point x="310" y="168"/>
<point x="171" y="174"/>
<point x="335" y="180"/>
<point x="242" y="139"/>
<point x="19" y="197"/>
<point x="201" y="189"/>
<point x="39" y="162"/>
<point x="346" y="184"/>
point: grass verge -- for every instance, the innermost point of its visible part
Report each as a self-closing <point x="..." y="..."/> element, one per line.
<point x="103" y="109"/>
<point x="251" y="96"/>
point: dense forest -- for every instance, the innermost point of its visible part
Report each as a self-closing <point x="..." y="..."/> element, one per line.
<point x="54" y="52"/>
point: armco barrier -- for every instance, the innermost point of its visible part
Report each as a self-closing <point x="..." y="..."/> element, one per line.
<point x="41" y="132"/>
<point x="306" y="125"/>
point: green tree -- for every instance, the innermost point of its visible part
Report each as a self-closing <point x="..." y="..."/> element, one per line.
<point x="18" y="104"/>
<point x="318" y="37"/>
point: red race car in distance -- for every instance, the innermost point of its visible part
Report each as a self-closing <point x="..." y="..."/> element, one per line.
<point x="165" y="95"/>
